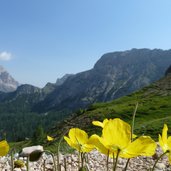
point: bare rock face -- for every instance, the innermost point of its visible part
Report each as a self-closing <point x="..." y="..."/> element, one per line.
<point x="114" y="75"/>
<point x="7" y="82"/>
<point x="60" y="81"/>
<point x="168" y="71"/>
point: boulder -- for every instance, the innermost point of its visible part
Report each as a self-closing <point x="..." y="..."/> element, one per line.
<point x="28" y="150"/>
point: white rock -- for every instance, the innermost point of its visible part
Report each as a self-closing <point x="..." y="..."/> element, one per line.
<point x="28" y="150"/>
<point x="20" y="158"/>
<point x="17" y="169"/>
<point x="16" y="155"/>
<point x="24" y="169"/>
<point x="160" y="166"/>
<point x="49" y="166"/>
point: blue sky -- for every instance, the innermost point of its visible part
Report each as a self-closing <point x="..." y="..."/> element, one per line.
<point x="41" y="40"/>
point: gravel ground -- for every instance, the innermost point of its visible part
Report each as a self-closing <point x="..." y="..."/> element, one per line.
<point x="96" y="162"/>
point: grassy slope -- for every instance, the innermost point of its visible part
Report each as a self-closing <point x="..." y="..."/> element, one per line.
<point x="154" y="110"/>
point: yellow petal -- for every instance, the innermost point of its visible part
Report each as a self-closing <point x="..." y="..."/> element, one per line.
<point x="142" y="146"/>
<point x="78" y="139"/>
<point x="87" y="148"/>
<point x="94" y="139"/>
<point x="169" y="156"/>
<point x="163" y="139"/>
<point x="97" y="123"/>
<point x="162" y="145"/>
<point x="73" y="145"/>
<point x="101" y="124"/>
<point x="105" y="121"/>
<point x="78" y="136"/>
<point x="4" y="148"/>
<point x="49" y="138"/>
<point x="169" y="149"/>
<point x="116" y="133"/>
<point x="164" y="134"/>
<point x="169" y="143"/>
<point x="134" y="136"/>
<point x="68" y="140"/>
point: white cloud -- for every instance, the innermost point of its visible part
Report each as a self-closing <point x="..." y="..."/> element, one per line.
<point x="5" y="56"/>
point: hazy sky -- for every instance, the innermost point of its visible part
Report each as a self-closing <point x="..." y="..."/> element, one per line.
<point x="41" y="40"/>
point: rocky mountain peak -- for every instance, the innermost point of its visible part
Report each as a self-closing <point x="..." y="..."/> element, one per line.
<point x="129" y="58"/>
<point x="27" y="89"/>
<point x="115" y="74"/>
<point x="61" y="80"/>
<point x="7" y="82"/>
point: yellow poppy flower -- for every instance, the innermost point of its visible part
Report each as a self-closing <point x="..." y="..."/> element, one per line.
<point x="165" y="142"/>
<point x="4" y="148"/>
<point x="49" y="138"/>
<point x="116" y="136"/>
<point x="101" y="124"/>
<point x="94" y="139"/>
<point x="79" y="140"/>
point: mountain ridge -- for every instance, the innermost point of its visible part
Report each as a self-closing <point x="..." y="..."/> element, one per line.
<point x="114" y="75"/>
<point x="153" y="111"/>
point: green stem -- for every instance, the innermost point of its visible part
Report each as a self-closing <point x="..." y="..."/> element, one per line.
<point x="159" y="159"/>
<point x="126" y="165"/>
<point x="107" y="162"/>
<point x="44" y="165"/>
<point x="53" y="157"/>
<point x="82" y="160"/>
<point x="54" y="161"/>
<point x="59" y="167"/>
<point x="86" y="158"/>
<point x="12" y="161"/>
<point x="65" y="165"/>
<point x="58" y="150"/>
<point x="27" y="163"/>
<point x="58" y="156"/>
<point x="79" y="154"/>
<point x="86" y="161"/>
<point x="133" y="121"/>
<point x="116" y="161"/>
<point x="132" y="130"/>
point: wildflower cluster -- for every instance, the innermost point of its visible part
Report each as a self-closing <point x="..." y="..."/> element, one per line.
<point x="117" y="140"/>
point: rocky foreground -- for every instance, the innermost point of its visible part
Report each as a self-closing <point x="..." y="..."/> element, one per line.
<point x="96" y="162"/>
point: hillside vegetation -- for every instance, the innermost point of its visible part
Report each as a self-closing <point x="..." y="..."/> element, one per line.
<point x="153" y="111"/>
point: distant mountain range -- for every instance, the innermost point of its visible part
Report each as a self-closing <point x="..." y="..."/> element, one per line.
<point x="153" y="111"/>
<point x="114" y="75"/>
<point x="7" y="82"/>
